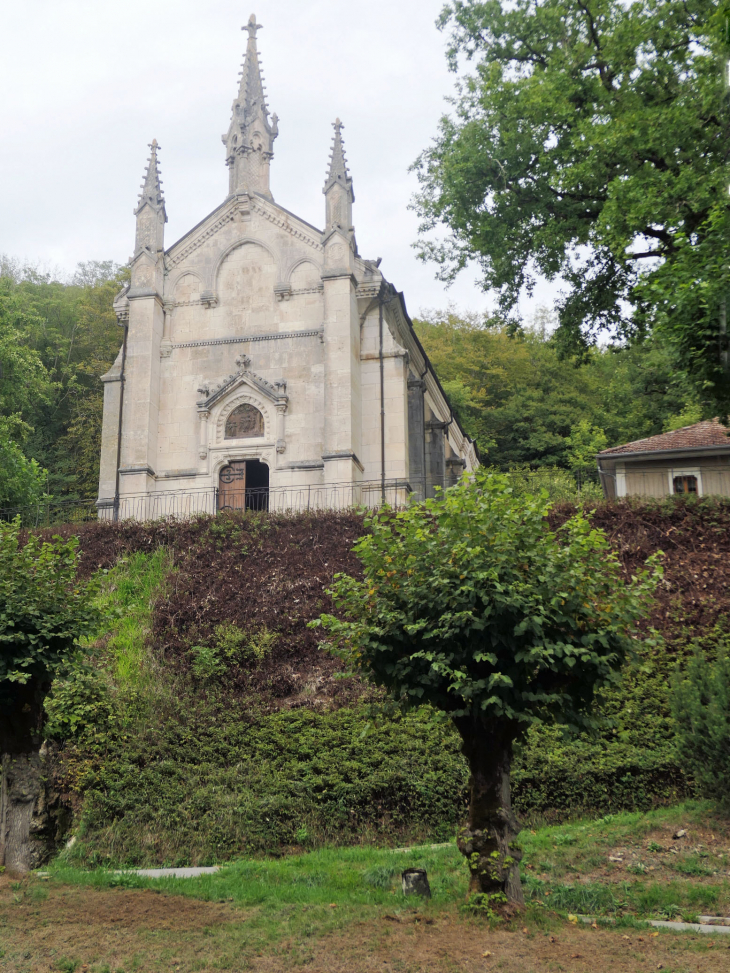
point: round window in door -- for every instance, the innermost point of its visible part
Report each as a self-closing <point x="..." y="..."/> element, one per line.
<point x="245" y="422"/>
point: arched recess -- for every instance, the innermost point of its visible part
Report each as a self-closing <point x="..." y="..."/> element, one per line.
<point x="305" y="274"/>
<point x="239" y="268"/>
<point x="186" y="308"/>
<point x="188" y="285"/>
<point x="244" y="284"/>
<point x="243" y="395"/>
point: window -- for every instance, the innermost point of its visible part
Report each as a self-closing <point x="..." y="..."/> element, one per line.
<point x="685" y="484"/>
<point x="245" y="422"/>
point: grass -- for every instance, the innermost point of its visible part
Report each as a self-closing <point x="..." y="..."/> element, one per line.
<point x="342" y="908"/>
<point x="678" y="886"/>
<point x="359" y="876"/>
<point x="126" y="598"/>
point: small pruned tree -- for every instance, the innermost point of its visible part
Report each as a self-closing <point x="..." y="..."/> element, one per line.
<point x="44" y="611"/>
<point x="471" y="603"/>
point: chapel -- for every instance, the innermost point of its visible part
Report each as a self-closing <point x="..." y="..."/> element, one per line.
<point x="265" y="363"/>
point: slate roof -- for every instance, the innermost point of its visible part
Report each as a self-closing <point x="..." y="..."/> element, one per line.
<point x="702" y="435"/>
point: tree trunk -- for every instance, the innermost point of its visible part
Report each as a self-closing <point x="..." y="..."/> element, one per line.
<point x="21" y="717"/>
<point x="488" y="841"/>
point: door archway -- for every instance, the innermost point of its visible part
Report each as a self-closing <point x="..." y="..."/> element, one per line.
<point x="244" y="485"/>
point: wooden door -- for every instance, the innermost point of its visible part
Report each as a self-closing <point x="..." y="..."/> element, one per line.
<point x="232" y="491"/>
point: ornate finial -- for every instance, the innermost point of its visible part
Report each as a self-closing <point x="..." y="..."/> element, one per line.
<point x="243" y="362"/>
<point x="252" y="27"/>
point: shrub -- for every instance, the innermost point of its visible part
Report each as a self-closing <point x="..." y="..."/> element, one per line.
<point x="81" y="708"/>
<point x="701" y="705"/>
<point x="207" y="662"/>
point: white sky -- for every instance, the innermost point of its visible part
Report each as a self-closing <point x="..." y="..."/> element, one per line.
<point x="87" y="84"/>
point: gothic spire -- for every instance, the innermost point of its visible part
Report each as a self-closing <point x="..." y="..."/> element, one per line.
<point x="250" y="138"/>
<point x="338" y="173"/>
<point x="151" y="194"/>
<point x="338" y="190"/>
<point x="251" y="90"/>
<point x="150" y="211"/>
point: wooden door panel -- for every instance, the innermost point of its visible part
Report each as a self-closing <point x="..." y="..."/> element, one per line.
<point x="232" y="489"/>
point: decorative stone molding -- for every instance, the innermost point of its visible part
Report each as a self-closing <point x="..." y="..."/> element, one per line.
<point x="343" y="454"/>
<point x="283" y="291"/>
<point x="174" y="260"/>
<point x="131" y="470"/>
<point x="242" y="339"/>
<point x="209" y="299"/>
<point x="284" y="222"/>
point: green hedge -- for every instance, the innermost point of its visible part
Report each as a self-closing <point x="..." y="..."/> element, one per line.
<point x="290" y="778"/>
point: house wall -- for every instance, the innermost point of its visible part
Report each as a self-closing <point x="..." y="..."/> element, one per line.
<point x="654" y="477"/>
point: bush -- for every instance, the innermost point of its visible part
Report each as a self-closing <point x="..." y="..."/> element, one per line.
<point x="202" y="783"/>
<point x="701" y="705"/>
<point x="80" y="708"/>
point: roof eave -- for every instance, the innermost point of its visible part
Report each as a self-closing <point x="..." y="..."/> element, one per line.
<point x="659" y="453"/>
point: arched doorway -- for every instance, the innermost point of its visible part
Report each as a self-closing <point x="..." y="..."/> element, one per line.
<point x="244" y="485"/>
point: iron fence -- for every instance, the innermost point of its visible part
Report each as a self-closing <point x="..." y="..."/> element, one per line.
<point x="299" y="498"/>
<point x="207" y="501"/>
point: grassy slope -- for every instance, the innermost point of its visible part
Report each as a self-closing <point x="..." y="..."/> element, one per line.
<point x="277" y="750"/>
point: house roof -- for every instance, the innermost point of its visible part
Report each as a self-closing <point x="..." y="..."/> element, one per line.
<point x="702" y="435"/>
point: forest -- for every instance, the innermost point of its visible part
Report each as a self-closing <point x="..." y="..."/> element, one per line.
<point x="525" y="400"/>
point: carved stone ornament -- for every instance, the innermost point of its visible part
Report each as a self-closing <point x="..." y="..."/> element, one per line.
<point x="245" y="422"/>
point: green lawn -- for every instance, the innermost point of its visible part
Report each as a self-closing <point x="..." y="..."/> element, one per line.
<point x="565" y="869"/>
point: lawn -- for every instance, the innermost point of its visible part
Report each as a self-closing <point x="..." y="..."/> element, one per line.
<point x="342" y="908"/>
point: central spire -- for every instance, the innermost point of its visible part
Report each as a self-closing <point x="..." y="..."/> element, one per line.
<point x="250" y="139"/>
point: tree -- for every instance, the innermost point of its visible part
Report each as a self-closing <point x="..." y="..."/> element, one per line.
<point x="590" y="143"/>
<point x="521" y="401"/>
<point x="472" y="604"/>
<point x="56" y="340"/>
<point x="585" y="441"/>
<point x="44" y="611"/>
<point x="22" y="480"/>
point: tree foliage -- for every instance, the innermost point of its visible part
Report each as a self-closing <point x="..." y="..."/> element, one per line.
<point x="590" y="143"/>
<point x="524" y="403"/>
<point x="44" y="609"/>
<point x="701" y="705"/>
<point x="56" y="340"/>
<point x="22" y="480"/>
<point x="470" y="603"/>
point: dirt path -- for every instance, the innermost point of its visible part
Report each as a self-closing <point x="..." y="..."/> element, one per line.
<point x="85" y="930"/>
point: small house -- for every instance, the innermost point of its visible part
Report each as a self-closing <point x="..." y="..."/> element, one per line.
<point x="692" y="460"/>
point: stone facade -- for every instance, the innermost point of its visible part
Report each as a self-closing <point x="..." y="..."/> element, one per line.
<point x="255" y="307"/>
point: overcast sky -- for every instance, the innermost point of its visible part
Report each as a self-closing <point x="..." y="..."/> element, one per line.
<point x="87" y="84"/>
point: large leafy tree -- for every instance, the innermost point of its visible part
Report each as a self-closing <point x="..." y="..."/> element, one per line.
<point x="590" y="142"/>
<point x="524" y="404"/>
<point x="472" y="604"/>
<point x="56" y="340"/>
<point x="44" y="610"/>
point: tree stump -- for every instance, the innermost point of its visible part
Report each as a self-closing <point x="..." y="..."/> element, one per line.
<point x="415" y="882"/>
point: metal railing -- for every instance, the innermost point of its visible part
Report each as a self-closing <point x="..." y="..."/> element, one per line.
<point x="208" y="501"/>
